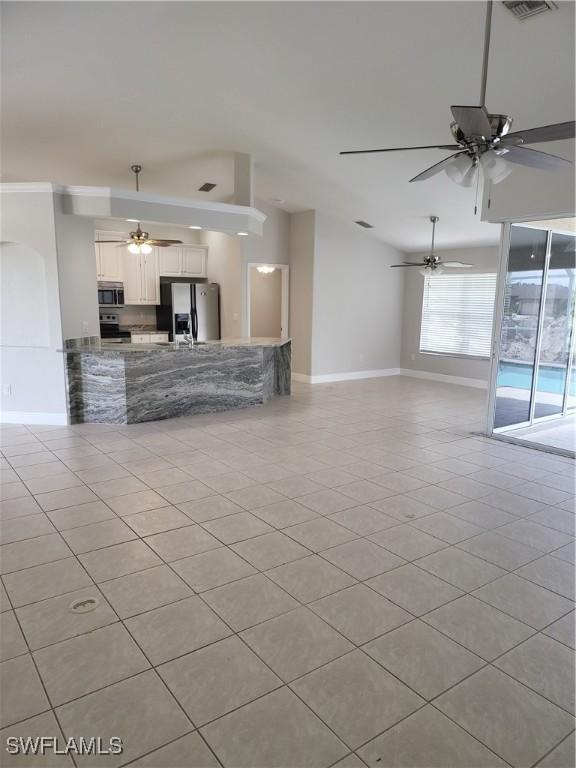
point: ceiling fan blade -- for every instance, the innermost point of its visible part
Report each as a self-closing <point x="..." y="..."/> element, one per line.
<point x="434" y="169"/>
<point x="554" y="132"/>
<point x="454" y="264"/>
<point x="409" y="264"/>
<point x="108" y="241"/>
<point x="473" y="121"/>
<point x="163" y="242"/>
<point x="398" y="149"/>
<point x="535" y="159"/>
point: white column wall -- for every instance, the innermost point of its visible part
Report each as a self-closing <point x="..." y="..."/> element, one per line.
<point x="33" y="380"/>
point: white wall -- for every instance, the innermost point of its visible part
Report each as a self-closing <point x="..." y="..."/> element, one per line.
<point x="33" y="380"/>
<point x="265" y="303"/>
<point x="225" y="267"/>
<point x="484" y="260"/>
<point x="345" y="303"/>
<point x="302" y="246"/>
<point x="529" y="193"/>
<point x="273" y="247"/>
<point x="357" y="309"/>
<point x="77" y="274"/>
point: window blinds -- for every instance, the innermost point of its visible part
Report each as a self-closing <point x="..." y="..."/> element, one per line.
<point x="457" y="314"/>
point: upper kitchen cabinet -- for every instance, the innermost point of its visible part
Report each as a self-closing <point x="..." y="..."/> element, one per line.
<point x="109" y="258"/>
<point x="141" y="278"/>
<point x="183" y="261"/>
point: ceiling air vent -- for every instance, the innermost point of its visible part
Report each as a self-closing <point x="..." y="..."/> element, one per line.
<point x="364" y="224"/>
<point x="206" y="187"/>
<point x="523" y="9"/>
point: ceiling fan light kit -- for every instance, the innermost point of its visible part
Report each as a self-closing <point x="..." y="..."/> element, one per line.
<point x="462" y="170"/>
<point x="484" y="142"/>
<point x="494" y="166"/>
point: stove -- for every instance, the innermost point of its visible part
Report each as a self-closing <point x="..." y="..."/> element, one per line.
<point x="110" y="328"/>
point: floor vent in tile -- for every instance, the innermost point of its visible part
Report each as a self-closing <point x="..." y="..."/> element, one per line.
<point x="84" y="606"/>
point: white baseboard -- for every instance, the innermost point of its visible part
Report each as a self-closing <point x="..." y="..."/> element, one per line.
<point x="33" y="417"/>
<point x="443" y="377"/>
<point x="347" y="376"/>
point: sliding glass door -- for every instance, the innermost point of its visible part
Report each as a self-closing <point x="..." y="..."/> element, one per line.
<point x="535" y="378"/>
<point x="520" y="319"/>
<point x="556" y="329"/>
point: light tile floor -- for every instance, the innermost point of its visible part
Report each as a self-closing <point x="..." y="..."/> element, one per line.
<point x="351" y="576"/>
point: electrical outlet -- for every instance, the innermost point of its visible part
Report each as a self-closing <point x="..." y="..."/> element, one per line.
<point x="413" y="356"/>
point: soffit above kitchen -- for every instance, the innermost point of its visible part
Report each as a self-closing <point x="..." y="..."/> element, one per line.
<point x="109" y="203"/>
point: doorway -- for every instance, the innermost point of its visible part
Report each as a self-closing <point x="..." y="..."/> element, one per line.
<point x="268" y="300"/>
<point x="533" y="393"/>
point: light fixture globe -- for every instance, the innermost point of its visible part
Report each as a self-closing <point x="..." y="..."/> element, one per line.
<point x="134" y="248"/>
<point x="462" y="170"/>
<point x="494" y="167"/>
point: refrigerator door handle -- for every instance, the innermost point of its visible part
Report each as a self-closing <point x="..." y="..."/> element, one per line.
<point x="194" y="324"/>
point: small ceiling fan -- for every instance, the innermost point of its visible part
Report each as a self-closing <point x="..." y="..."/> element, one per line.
<point x="140" y="241"/>
<point x="483" y="139"/>
<point x="432" y="263"/>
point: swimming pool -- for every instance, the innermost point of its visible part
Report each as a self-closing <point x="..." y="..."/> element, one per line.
<point x="519" y="376"/>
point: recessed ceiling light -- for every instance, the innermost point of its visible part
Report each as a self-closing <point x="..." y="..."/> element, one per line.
<point x="135" y="221"/>
<point x="242" y="234"/>
<point x="194" y="226"/>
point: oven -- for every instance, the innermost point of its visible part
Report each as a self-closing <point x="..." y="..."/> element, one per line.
<point x="110" y="328"/>
<point x="111" y="294"/>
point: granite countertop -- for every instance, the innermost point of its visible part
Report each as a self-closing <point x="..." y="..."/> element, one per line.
<point x="103" y="346"/>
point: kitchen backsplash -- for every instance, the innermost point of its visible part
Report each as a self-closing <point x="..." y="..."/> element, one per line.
<point x="136" y="317"/>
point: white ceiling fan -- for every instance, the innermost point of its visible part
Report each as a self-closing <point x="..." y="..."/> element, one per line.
<point x="484" y="141"/>
<point x="433" y="264"/>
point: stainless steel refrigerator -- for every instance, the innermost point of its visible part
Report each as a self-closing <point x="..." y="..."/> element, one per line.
<point x="189" y="309"/>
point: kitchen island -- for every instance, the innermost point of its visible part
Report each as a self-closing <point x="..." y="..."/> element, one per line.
<point x="131" y="383"/>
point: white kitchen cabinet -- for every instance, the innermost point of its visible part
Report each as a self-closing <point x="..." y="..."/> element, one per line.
<point x="183" y="261"/>
<point x="194" y="261"/>
<point x="132" y="278"/>
<point x="108" y="258"/>
<point x="141" y="278"/>
<point x="140" y="338"/>
<point x="150" y="277"/>
<point x="158" y="337"/>
<point x="170" y="261"/>
<point x="154" y="337"/>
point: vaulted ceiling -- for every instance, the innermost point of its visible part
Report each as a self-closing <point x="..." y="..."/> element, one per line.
<point x="90" y="87"/>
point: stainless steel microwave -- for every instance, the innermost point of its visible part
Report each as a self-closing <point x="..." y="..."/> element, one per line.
<point x="111" y="294"/>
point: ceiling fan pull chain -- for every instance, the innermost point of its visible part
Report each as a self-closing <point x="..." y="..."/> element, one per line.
<point x="487" y="30"/>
